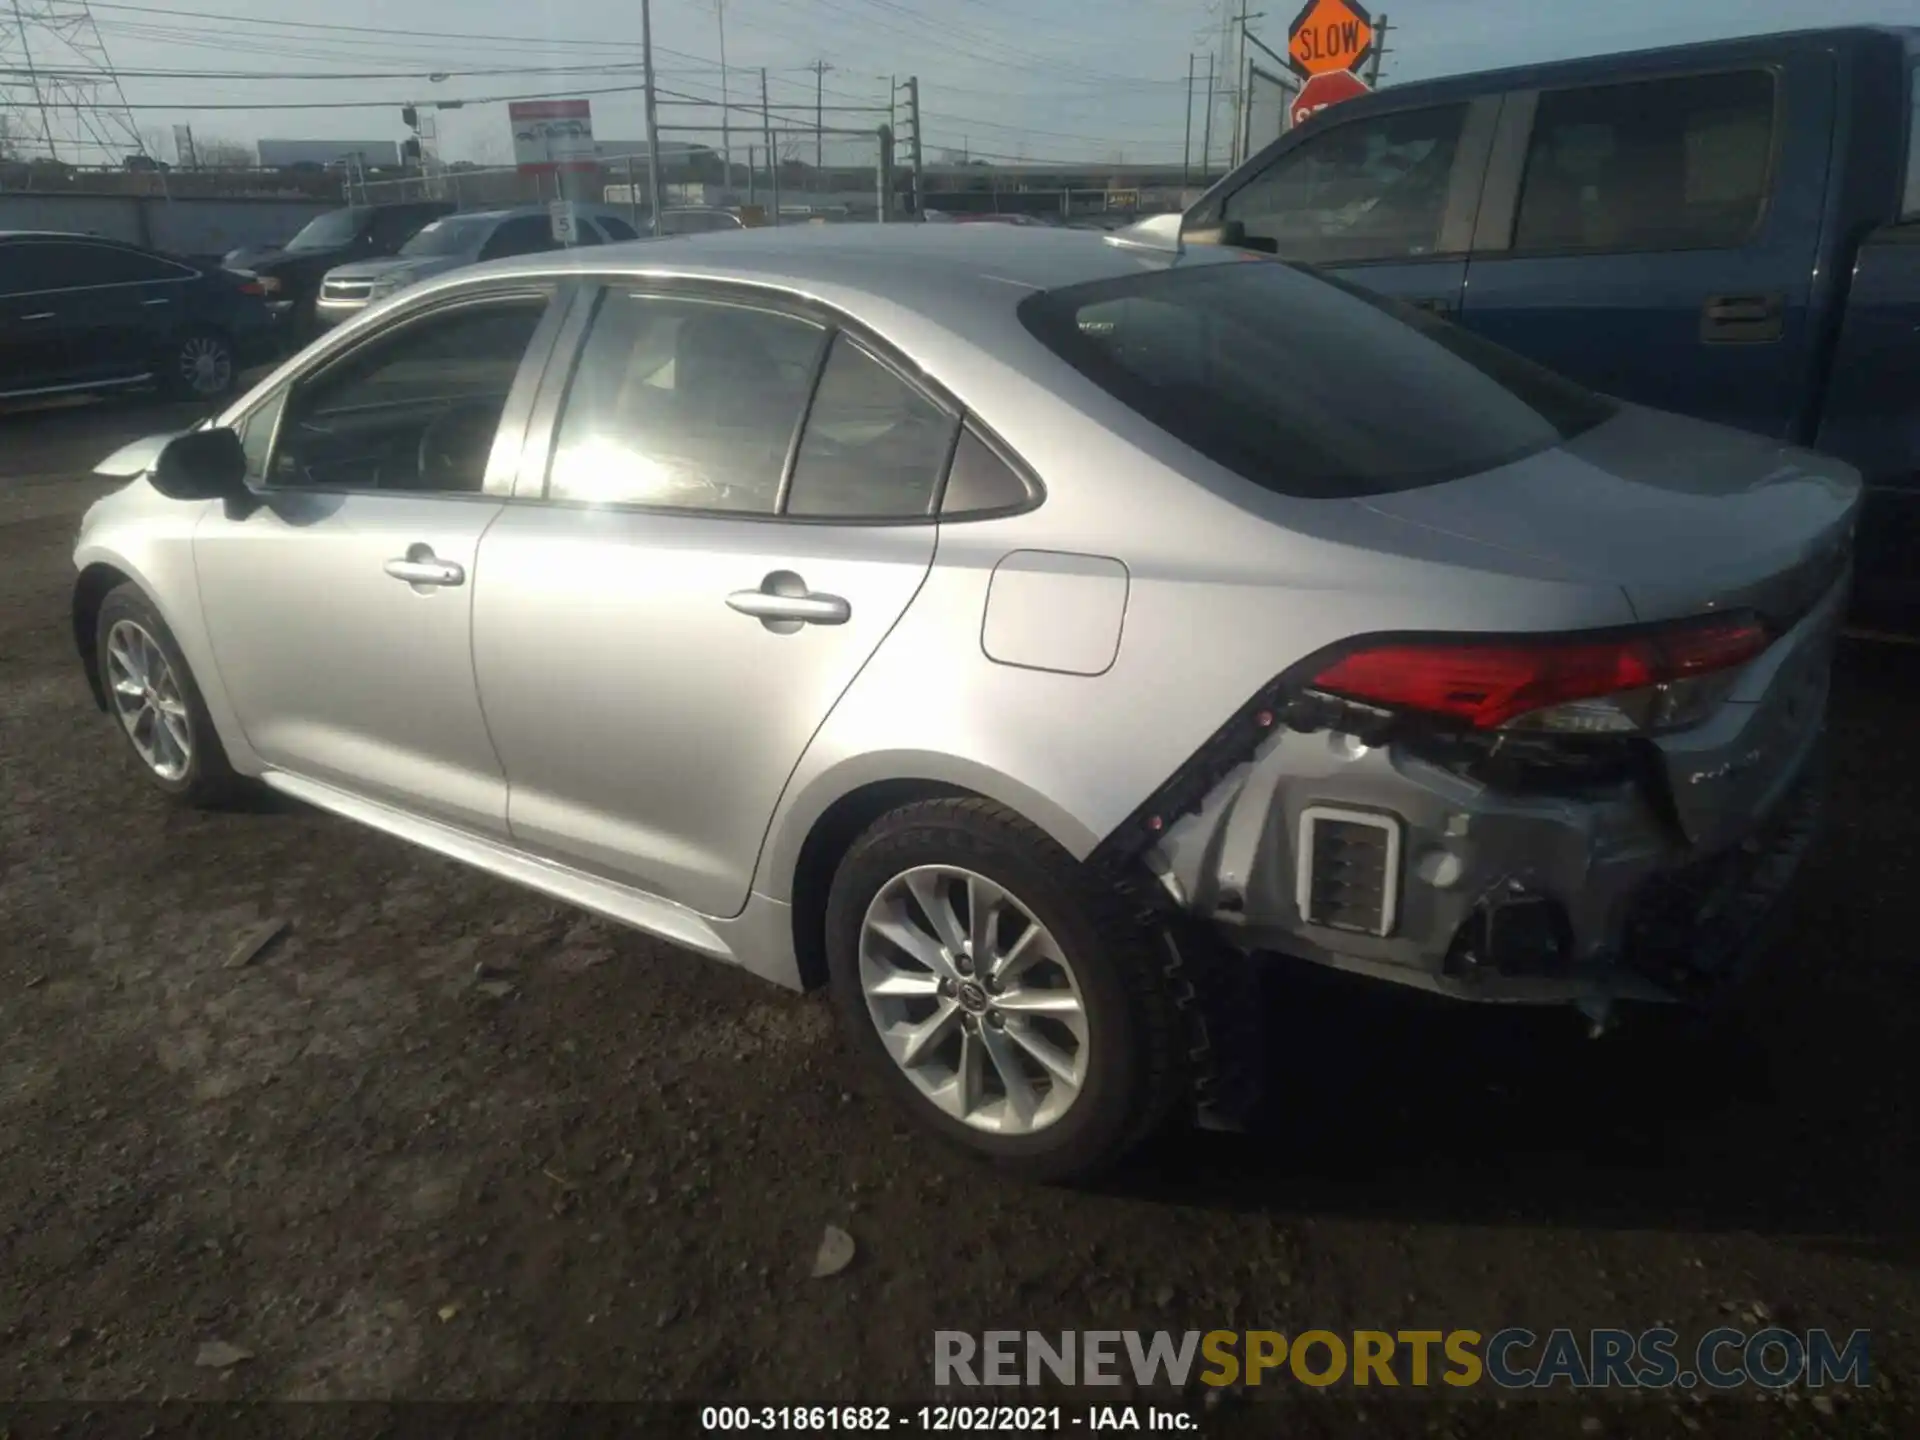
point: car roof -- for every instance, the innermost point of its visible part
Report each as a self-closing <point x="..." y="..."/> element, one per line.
<point x="935" y="270"/>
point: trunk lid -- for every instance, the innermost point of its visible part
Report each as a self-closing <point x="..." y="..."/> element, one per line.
<point x="1684" y="516"/>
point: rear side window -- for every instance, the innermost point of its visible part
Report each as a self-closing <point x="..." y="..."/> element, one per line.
<point x="1306" y="385"/>
<point x="874" y="446"/>
<point x="110" y="265"/>
<point x="1657" y="165"/>
<point x="685" y="404"/>
<point x="616" y="228"/>
<point x="1373" y="189"/>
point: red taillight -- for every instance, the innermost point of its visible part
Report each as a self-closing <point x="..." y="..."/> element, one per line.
<point x="252" y="287"/>
<point x="1488" y="683"/>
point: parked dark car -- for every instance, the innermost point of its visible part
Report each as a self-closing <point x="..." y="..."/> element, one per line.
<point x="291" y="273"/>
<point x="1728" y="230"/>
<point x="81" y="313"/>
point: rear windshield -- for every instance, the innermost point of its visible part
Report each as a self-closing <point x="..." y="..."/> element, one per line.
<point x="1307" y="385"/>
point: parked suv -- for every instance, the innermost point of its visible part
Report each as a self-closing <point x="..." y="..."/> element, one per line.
<point x="80" y="313"/>
<point x="450" y="242"/>
<point x="291" y="274"/>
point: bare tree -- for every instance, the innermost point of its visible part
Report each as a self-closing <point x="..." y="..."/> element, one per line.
<point x="217" y="153"/>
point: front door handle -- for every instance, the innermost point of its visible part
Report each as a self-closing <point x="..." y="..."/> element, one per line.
<point x="420" y="566"/>
<point x="43" y="315"/>
<point x="784" y="603"/>
<point x="1742" y="319"/>
<point x="1434" y="304"/>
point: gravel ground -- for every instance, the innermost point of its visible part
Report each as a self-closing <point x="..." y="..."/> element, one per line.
<point x="601" y="1170"/>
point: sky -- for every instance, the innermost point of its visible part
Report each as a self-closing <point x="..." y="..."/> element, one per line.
<point x="1099" y="80"/>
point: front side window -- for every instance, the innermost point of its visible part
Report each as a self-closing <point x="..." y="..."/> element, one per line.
<point x="414" y="409"/>
<point x="1372" y="189"/>
<point x="682" y="403"/>
<point x="1306" y="385"/>
<point x="1656" y="165"/>
<point x="874" y="447"/>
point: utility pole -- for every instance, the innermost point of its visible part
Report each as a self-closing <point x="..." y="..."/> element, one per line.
<point x="1380" y="29"/>
<point x="1239" y="87"/>
<point x="726" y="112"/>
<point x="819" y="68"/>
<point x="1206" y="138"/>
<point x="913" y="119"/>
<point x="1186" y="145"/>
<point x="773" y="156"/>
<point x="653" y="125"/>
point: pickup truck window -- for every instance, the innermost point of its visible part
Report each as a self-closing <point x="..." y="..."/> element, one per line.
<point x="1677" y="164"/>
<point x="1305" y="384"/>
<point x="1373" y="189"/>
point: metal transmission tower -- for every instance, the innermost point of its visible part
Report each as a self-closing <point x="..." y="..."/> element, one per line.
<point x="59" y="95"/>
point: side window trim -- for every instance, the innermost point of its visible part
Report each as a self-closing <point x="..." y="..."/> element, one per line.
<point x="497" y="484"/>
<point x="1514" y="145"/>
<point x="88" y="245"/>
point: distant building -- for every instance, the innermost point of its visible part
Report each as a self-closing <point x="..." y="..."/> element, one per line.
<point x="374" y="154"/>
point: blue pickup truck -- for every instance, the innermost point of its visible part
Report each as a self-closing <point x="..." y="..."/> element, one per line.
<point x="1730" y="230"/>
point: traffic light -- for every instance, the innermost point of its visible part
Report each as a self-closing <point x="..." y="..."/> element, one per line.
<point x="410" y="150"/>
<point x="410" y="117"/>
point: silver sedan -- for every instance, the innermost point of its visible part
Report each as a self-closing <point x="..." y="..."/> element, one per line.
<point x="1024" y="632"/>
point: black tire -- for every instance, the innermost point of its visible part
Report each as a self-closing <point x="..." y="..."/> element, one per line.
<point x="208" y="779"/>
<point x="200" y="364"/>
<point x="1137" y="1075"/>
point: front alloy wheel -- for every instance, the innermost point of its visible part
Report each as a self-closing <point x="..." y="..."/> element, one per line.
<point x="974" y="1000"/>
<point x="146" y="697"/>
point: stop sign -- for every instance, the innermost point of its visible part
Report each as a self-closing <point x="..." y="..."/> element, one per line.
<point x="1323" y="90"/>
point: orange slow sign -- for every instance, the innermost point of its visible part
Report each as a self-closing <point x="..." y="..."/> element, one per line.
<point x="1329" y="36"/>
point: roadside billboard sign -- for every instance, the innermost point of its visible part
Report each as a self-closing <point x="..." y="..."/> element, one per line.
<point x="550" y="135"/>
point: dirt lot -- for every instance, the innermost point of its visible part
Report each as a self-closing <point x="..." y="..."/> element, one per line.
<point x="603" y="1174"/>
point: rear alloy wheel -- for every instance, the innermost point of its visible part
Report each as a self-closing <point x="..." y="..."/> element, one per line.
<point x="202" y="367"/>
<point x="1000" y="992"/>
<point x="152" y="694"/>
<point x="974" y="999"/>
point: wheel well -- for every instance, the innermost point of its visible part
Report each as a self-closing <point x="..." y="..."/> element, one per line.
<point x="827" y="843"/>
<point x="90" y="591"/>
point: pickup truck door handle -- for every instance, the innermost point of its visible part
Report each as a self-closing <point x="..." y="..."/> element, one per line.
<point x="1434" y="304"/>
<point x="419" y="566"/>
<point x="783" y="597"/>
<point x="1742" y="319"/>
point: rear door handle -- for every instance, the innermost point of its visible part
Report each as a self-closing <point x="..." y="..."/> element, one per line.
<point x="1742" y="319"/>
<point x="420" y="566"/>
<point x="783" y="600"/>
<point x="43" y="315"/>
<point x="163" y="300"/>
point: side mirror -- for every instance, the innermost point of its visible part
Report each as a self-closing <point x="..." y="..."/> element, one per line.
<point x="205" y="464"/>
